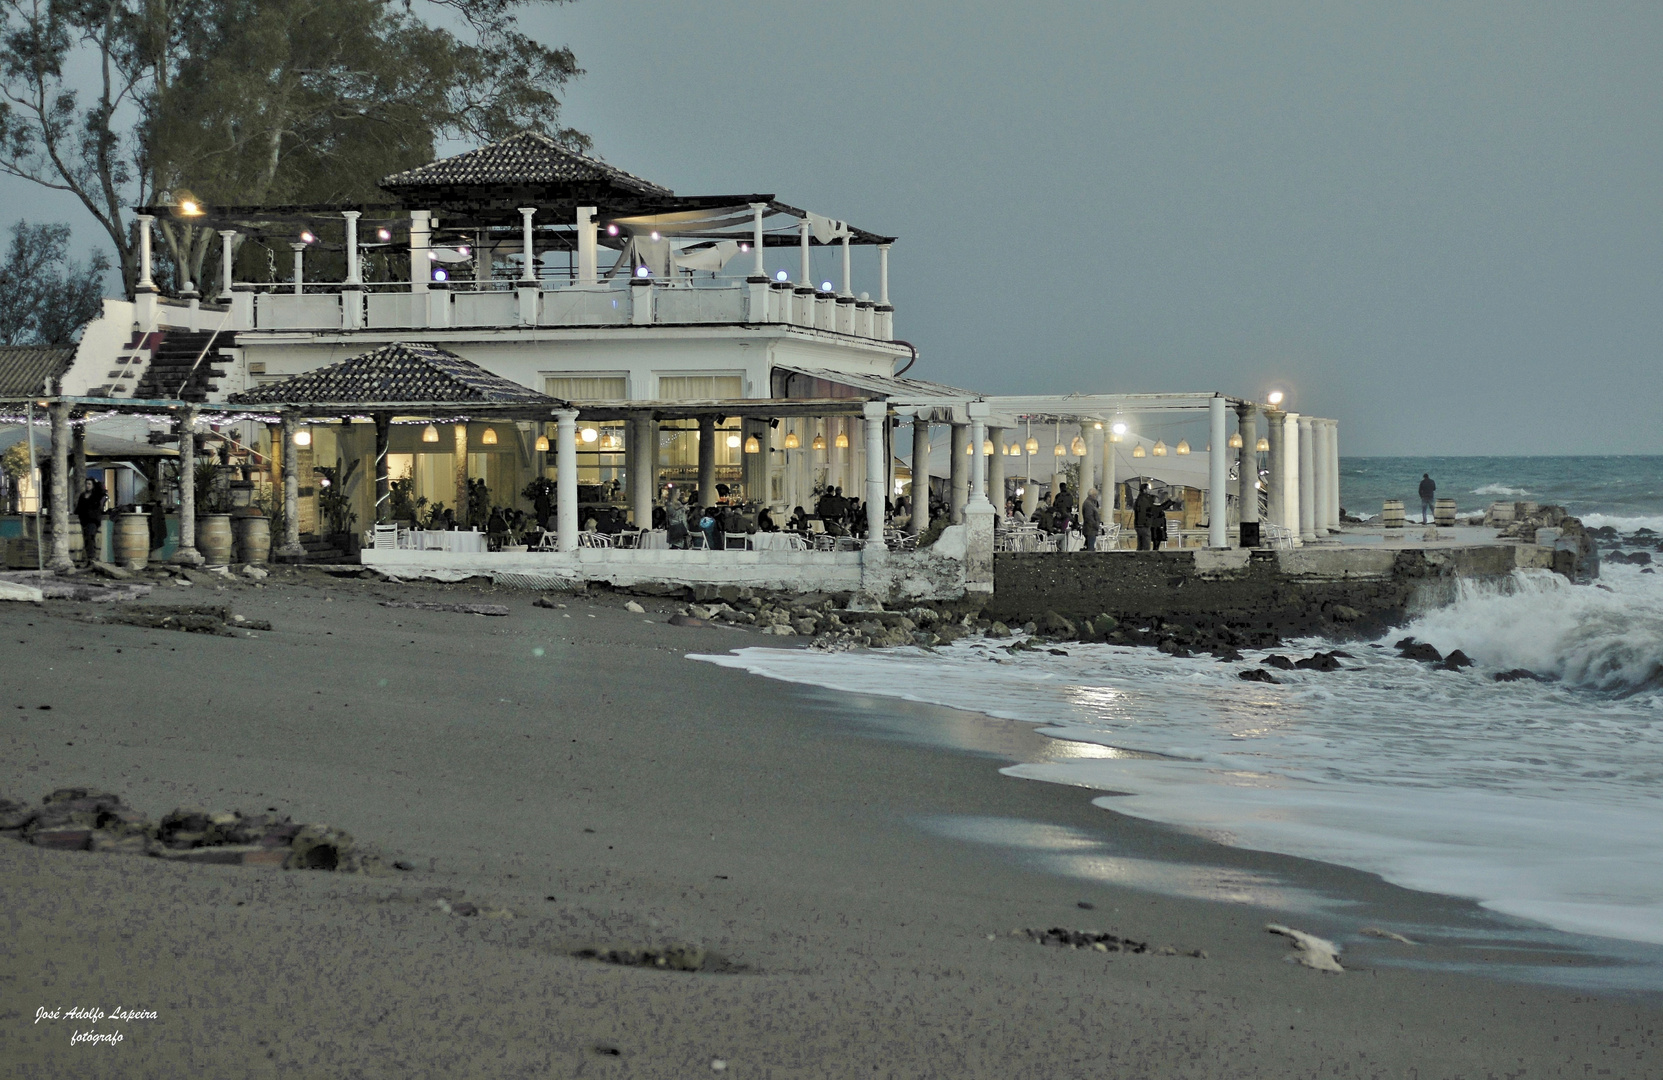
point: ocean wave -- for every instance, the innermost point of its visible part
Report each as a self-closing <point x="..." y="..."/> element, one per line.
<point x="1624" y="525"/>
<point x="1501" y="490"/>
<point x="1585" y="636"/>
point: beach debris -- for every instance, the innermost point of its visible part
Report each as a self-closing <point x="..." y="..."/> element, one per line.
<point x="1062" y="938"/>
<point x="86" y="819"/>
<point x="1258" y="675"/>
<point x="718" y="1065"/>
<point x="673" y="957"/>
<point x="1318" y="954"/>
<point x="634" y="608"/>
<point x="1388" y="935"/>
<point x="1085" y="905"/>
<point x="190" y="618"/>
<point x="462" y="609"/>
<point x="14" y="590"/>
<point x="688" y="620"/>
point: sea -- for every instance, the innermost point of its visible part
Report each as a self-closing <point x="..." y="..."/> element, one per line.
<point x="1541" y="802"/>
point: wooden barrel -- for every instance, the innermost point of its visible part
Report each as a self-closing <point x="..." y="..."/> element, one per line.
<point x="1391" y="513"/>
<point x="253" y="539"/>
<point x="1443" y="513"/>
<point x="132" y="540"/>
<point x="213" y="538"/>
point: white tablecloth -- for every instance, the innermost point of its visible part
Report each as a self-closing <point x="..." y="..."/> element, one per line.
<point x="422" y="540"/>
<point x="773" y="542"/>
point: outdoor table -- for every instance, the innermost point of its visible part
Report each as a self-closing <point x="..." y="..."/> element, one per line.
<point x="447" y="540"/>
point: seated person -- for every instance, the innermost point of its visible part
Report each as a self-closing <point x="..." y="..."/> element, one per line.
<point x="765" y="521"/>
<point x="798" y="522"/>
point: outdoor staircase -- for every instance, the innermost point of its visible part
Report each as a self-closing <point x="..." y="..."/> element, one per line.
<point x="173" y="371"/>
<point x="320" y="552"/>
<point x="128" y="367"/>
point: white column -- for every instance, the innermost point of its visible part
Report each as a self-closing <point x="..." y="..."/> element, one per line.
<point x="352" y="275"/>
<point x="978" y="502"/>
<point x="877" y="474"/>
<point x="920" y="475"/>
<point x="707" y="461"/>
<point x="1088" y="462"/>
<point x="299" y="267"/>
<point x="587" y="246"/>
<point x="565" y="479"/>
<point x="146" y="261"/>
<point x="1319" y="478"/>
<point x="959" y="473"/>
<point x="187" y="554"/>
<point x="226" y="237"/>
<point x="59" y="495"/>
<point x="1106" y="491"/>
<point x="996" y="471"/>
<point x="1247" y="478"/>
<point x="421" y="269"/>
<point x="1334" y="472"/>
<point x="848" y="279"/>
<point x="528" y="245"/>
<point x="757" y="210"/>
<point x="1275" y="483"/>
<point x="883" y="274"/>
<point x="643" y="467"/>
<point x="1218" y="475"/>
<point x="807" y="272"/>
<point x="1307" y="482"/>
<point x="290" y="548"/>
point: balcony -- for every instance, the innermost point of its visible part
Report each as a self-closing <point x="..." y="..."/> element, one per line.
<point x="509" y="304"/>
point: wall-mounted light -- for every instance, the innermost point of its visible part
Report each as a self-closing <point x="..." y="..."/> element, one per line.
<point x="612" y="230"/>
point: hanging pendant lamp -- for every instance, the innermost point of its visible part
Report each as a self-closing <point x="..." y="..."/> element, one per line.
<point x="1183" y="446"/>
<point x="791" y="441"/>
<point x="1159" y="449"/>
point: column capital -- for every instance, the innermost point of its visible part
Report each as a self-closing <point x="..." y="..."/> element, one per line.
<point x="352" y="215"/>
<point x="527" y="212"/>
<point x="978" y="410"/>
<point x="875" y="410"/>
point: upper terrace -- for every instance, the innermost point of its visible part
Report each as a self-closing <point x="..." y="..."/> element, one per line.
<point x="525" y="233"/>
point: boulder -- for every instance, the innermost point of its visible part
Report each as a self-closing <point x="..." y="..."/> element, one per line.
<point x="1257" y="675"/>
<point x="1055" y="625"/>
<point x="1277" y="661"/>
<point x="1420" y="650"/>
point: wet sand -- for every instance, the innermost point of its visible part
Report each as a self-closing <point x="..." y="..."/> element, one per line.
<point x="821" y="848"/>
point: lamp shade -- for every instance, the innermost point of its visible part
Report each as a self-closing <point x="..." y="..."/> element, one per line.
<point x="1058" y="450"/>
<point x="1263" y="446"/>
<point x="819" y="442"/>
<point x="542" y="443"/>
<point x="843" y="440"/>
<point x="303" y="437"/>
<point x="430" y="433"/>
<point x="1159" y="449"/>
<point x="1235" y="441"/>
<point x="733" y="442"/>
<point x="1033" y="445"/>
<point x="753" y="446"/>
<point x="1137" y="451"/>
<point x="589" y="434"/>
<point x="490" y="437"/>
<point x="987" y="446"/>
<point x="791" y="440"/>
<point x="969" y="450"/>
<point x="1183" y="446"/>
<point x="1078" y="447"/>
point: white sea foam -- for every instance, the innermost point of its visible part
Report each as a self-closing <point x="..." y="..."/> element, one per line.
<point x="1501" y="491"/>
<point x="1539" y="800"/>
<point x="1624" y="525"/>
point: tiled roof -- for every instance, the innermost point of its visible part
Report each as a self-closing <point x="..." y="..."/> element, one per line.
<point x="24" y="369"/>
<point x="401" y="372"/>
<point x="525" y="160"/>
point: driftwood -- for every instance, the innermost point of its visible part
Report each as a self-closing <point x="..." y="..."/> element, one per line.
<point x="465" y="609"/>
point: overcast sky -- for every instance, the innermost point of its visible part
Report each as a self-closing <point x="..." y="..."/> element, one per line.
<point x="1439" y="223"/>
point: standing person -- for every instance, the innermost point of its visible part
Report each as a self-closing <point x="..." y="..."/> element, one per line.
<point x="1428" y="490"/>
<point x="1143" y="517"/>
<point x="675" y="520"/>
<point x="1091" y="519"/>
<point x="89" y="508"/>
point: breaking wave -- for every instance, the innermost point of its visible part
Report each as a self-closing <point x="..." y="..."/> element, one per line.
<point x="1501" y="490"/>
<point x="1608" y="639"/>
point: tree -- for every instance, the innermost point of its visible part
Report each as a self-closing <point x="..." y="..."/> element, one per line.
<point x="44" y="298"/>
<point x="254" y="102"/>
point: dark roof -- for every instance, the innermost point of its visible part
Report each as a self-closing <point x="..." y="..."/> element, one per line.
<point x="402" y="373"/>
<point x="529" y="162"/>
<point x="24" y="369"/>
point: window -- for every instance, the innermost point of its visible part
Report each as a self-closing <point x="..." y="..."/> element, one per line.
<point x="575" y="387"/>
<point x="700" y="387"/>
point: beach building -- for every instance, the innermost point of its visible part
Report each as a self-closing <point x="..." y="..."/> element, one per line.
<point x="524" y="321"/>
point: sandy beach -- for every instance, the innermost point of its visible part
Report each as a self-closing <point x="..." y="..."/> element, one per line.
<point x="572" y="774"/>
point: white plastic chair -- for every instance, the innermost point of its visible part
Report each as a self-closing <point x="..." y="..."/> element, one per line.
<point x="594" y="540"/>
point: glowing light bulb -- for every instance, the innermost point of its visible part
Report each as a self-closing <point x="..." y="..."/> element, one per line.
<point x="383" y="234"/>
<point x="642" y="271"/>
<point x="1274" y="397"/>
<point x="303" y="437"/>
<point x="733" y="442"/>
<point x="782" y="276"/>
<point x="589" y="434"/>
<point x="842" y="442"/>
<point x="306" y="237"/>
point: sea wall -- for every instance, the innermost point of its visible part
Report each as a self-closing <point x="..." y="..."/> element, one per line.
<point x="1252" y="592"/>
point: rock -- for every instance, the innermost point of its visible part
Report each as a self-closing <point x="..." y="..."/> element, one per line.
<point x="1281" y="663"/>
<point x="1258" y="675"/>
<point x="1457" y="660"/>
<point x="14" y="815"/>
<point x="633" y="607"/>
<point x="1517" y="674"/>
<point x="115" y="573"/>
<point x="1104" y="625"/>
<point x="319" y="847"/>
<point x="63" y="839"/>
<point x="1055" y="625"/>
<point x="803" y="626"/>
<point x="1229" y="656"/>
<point x="688" y="620"/>
<point x="1318" y="662"/>
<point x="1420" y="650"/>
<point x="1343" y="613"/>
<point x="11" y="590"/>
<point x="998" y="630"/>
